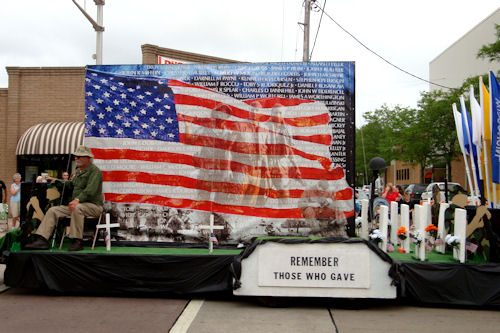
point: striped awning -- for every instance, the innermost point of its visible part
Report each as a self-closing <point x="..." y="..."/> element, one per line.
<point x="51" y="138"/>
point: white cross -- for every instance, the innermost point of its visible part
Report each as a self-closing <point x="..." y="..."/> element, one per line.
<point x="108" y="227"/>
<point x="211" y="228"/>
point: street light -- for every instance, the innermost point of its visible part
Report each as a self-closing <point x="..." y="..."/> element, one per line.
<point x="98" y="27"/>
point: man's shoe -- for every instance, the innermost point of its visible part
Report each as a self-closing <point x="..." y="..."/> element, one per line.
<point x="39" y="244"/>
<point x="77" y="245"/>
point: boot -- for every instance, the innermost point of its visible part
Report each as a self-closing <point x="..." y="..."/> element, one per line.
<point x="40" y="243"/>
<point x="77" y="245"/>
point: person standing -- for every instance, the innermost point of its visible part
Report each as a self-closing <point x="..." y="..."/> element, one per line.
<point x="3" y="200"/>
<point x="391" y="194"/>
<point x="87" y="201"/>
<point x="15" y="199"/>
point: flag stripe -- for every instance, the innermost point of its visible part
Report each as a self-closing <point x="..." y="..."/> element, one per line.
<point x="244" y="114"/>
<point x="169" y="151"/>
<point x="228" y="187"/>
<point x="246" y="127"/>
<point x="250" y="148"/>
<point x="215" y="164"/>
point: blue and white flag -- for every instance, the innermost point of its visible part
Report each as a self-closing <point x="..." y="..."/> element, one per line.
<point x="495" y="125"/>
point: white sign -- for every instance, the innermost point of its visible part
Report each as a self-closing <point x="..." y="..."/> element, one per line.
<point x="314" y="265"/>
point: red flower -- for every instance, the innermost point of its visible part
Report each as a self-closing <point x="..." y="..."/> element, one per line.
<point x="400" y="249"/>
<point x="402" y="230"/>
<point x="431" y="227"/>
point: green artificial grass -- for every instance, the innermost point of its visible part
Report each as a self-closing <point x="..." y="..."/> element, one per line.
<point x="432" y="256"/>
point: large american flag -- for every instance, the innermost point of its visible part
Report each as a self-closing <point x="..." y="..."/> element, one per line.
<point x="169" y="143"/>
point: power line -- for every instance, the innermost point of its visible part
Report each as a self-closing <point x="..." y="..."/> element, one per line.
<point x="378" y="55"/>
<point x="319" y="25"/>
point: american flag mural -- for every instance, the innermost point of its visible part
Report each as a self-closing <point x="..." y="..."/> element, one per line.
<point x="187" y="151"/>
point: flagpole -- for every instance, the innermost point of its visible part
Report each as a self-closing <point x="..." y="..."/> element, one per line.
<point x="478" y="146"/>
<point x="467" y="170"/>
<point x="486" y="151"/>
<point x="473" y="165"/>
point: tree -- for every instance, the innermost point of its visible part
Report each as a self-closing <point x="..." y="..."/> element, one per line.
<point x="382" y="136"/>
<point x="491" y="51"/>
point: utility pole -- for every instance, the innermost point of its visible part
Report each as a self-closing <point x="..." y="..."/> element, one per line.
<point x="98" y="27"/>
<point x="307" y="15"/>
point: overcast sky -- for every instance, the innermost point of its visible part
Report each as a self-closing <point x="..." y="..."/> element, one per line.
<point x="408" y="34"/>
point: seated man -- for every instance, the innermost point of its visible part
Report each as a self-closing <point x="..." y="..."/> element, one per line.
<point x="86" y="202"/>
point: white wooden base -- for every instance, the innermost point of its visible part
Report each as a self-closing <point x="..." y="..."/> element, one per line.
<point x="276" y="269"/>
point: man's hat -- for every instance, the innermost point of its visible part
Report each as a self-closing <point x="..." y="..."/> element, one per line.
<point x="83" y="151"/>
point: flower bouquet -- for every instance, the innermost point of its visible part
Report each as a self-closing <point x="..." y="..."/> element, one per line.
<point x="376" y="236"/>
<point x="402" y="233"/>
<point x="452" y="241"/>
<point x="432" y="230"/>
<point x="416" y="238"/>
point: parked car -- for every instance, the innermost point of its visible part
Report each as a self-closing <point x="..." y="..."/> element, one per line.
<point x="427" y="194"/>
<point x="415" y="191"/>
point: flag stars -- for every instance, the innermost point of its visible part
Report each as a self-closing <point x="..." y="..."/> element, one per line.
<point x="118" y="117"/>
<point x="92" y="122"/>
<point x="158" y="99"/>
<point x="148" y="93"/>
<point x="100" y="116"/>
<point x="110" y="124"/>
<point x="121" y="84"/>
<point x="102" y="130"/>
<point x="133" y="103"/>
<point x="153" y="119"/>
<point x="135" y="118"/>
<point x="137" y="132"/>
<point x="99" y="101"/>
<point x="116" y="102"/>
<point x="161" y="127"/>
<point x="108" y="108"/>
<point x="89" y="93"/>
<point x="126" y="124"/>
<point x="131" y="89"/>
<point x="142" y="111"/>
<point x="144" y="125"/>
<point x="153" y="134"/>
<point x="126" y="110"/>
<point x="123" y="95"/>
<point x="96" y="86"/>
<point x="169" y="120"/>
<point x="140" y="96"/>
<point x="159" y="112"/>
<point x="104" y="81"/>
<point x="171" y="135"/>
<point x="166" y="107"/>
<point x="113" y="88"/>
<point x="119" y="131"/>
<point x="91" y="108"/>
<point x="106" y="95"/>
<point x="150" y="104"/>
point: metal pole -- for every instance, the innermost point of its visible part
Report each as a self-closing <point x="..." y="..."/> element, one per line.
<point x="99" y="33"/>
<point x="307" y="15"/>
<point x="364" y="155"/>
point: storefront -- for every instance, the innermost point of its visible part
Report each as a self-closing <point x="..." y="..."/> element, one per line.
<point x="47" y="148"/>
